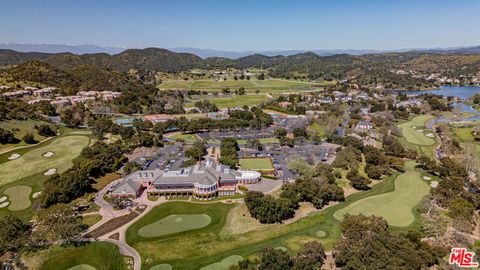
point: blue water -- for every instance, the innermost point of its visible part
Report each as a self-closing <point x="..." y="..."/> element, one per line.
<point x="463" y="92"/>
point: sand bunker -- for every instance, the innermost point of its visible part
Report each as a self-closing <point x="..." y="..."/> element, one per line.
<point x="50" y="171"/>
<point x="434" y="184"/>
<point x="427" y="178"/>
<point x="3" y="205"/>
<point x="430" y="135"/>
<point x="48" y="154"/>
<point x="3" y="198"/>
<point x="13" y="156"/>
<point x="36" y="194"/>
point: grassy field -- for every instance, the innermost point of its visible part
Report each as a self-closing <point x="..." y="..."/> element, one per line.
<point x="90" y="220"/>
<point x="92" y="254"/>
<point x="65" y="149"/>
<point x="174" y="224"/>
<point x="219" y="239"/>
<point x="464" y="133"/>
<point x="185" y="137"/>
<point x="235" y="101"/>
<point x="413" y="139"/>
<point x="256" y="164"/>
<point x="19" y="129"/>
<point x="397" y="206"/>
<point x="264" y="86"/>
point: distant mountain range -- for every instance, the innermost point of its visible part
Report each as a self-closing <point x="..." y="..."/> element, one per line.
<point x="205" y="53"/>
<point x="60" y="48"/>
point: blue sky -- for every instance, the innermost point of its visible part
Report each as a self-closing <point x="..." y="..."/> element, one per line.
<point x="244" y="25"/>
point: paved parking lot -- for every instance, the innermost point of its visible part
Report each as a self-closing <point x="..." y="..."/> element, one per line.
<point x="170" y="157"/>
<point x="265" y="185"/>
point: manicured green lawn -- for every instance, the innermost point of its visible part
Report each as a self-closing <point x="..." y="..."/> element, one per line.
<point x="100" y="255"/>
<point x="175" y="248"/>
<point x="413" y="136"/>
<point x="185" y="137"/>
<point x="174" y="224"/>
<point x="31" y="162"/>
<point x="224" y="264"/>
<point x="19" y="197"/>
<point x="82" y="267"/>
<point x="90" y="220"/>
<point x="256" y="164"/>
<point x="397" y="206"/>
<point x="206" y="246"/>
<point x="28" y="170"/>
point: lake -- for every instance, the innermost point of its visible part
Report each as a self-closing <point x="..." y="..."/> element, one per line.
<point x="463" y="92"/>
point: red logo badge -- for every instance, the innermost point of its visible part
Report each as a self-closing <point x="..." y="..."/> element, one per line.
<point x="462" y="258"/>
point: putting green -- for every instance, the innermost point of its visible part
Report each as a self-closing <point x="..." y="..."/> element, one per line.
<point x="413" y="136"/>
<point x="162" y="266"/>
<point x="19" y="197"/>
<point x="65" y="148"/>
<point x="321" y="234"/>
<point x="224" y="264"/>
<point x="174" y="224"/>
<point x="82" y="267"/>
<point x="396" y="207"/>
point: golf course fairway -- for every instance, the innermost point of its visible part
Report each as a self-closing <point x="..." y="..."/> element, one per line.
<point x="396" y="206"/>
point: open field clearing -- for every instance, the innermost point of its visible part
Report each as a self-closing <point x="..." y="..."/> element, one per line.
<point x="256" y="164"/>
<point x="174" y="224"/>
<point x="85" y="257"/>
<point x="66" y="148"/>
<point x="397" y="206"/>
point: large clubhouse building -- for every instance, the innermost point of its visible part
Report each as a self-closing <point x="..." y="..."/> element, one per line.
<point x="203" y="181"/>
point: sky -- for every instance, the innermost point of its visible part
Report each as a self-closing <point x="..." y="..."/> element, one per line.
<point x="243" y="25"/>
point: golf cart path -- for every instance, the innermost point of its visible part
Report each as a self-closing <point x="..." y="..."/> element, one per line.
<point x="107" y="212"/>
<point x="127" y="250"/>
